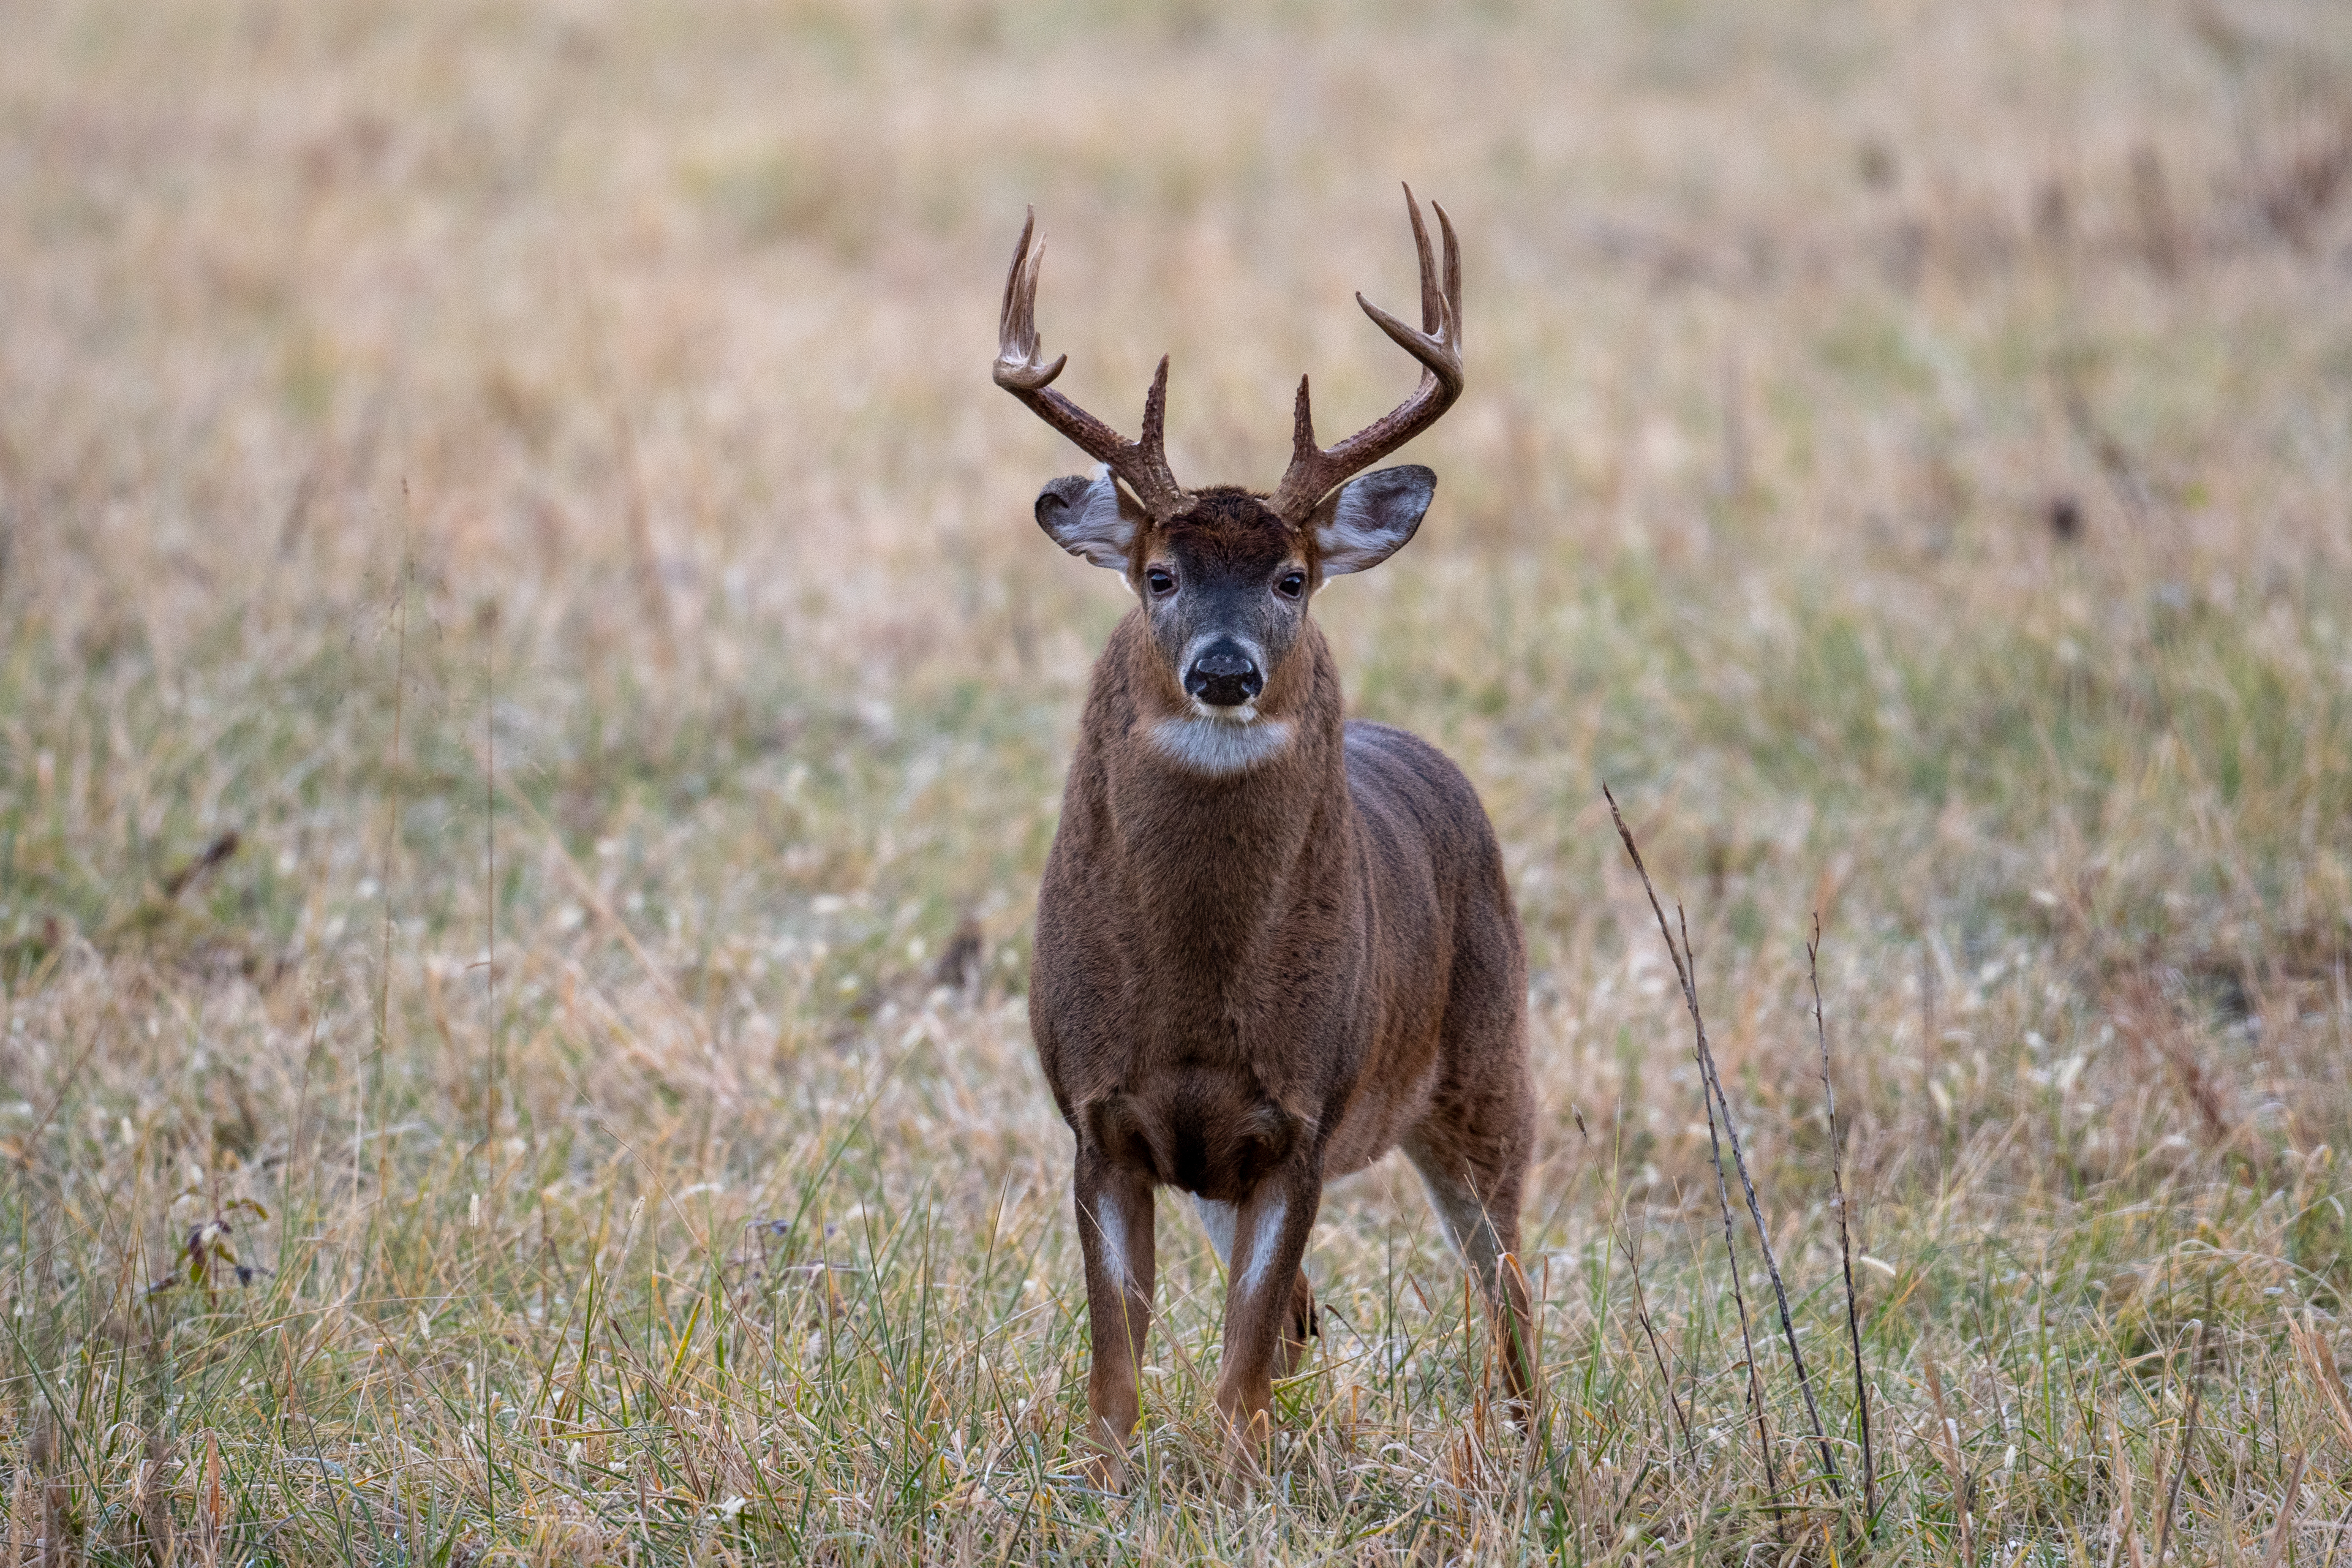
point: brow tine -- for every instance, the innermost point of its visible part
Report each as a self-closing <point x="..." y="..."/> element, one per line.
<point x="1155" y="410"/>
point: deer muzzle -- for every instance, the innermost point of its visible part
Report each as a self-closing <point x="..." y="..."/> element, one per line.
<point x="1224" y="676"/>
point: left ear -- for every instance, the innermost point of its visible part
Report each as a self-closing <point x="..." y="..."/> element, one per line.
<point x="1371" y="519"/>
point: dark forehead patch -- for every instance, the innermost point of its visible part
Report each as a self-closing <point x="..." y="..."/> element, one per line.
<point x="1228" y="525"/>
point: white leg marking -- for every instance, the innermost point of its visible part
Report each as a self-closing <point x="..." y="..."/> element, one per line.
<point x="1114" y="1243"/>
<point x="1217" y="1219"/>
<point x="1261" y="1251"/>
<point x="1444" y="1204"/>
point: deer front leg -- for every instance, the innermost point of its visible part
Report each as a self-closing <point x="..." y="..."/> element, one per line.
<point x="1300" y="1327"/>
<point x="1265" y="1323"/>
<point x="1115" y="1211"/>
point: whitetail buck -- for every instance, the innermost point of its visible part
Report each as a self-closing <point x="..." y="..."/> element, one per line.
<point x="1272" y="943"/>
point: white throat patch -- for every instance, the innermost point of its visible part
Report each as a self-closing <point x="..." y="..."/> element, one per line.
<point x="1220" y="747"/>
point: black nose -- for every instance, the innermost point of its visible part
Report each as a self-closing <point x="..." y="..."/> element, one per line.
<point x="1224" y="677"/>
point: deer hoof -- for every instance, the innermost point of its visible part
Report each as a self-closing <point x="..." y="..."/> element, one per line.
<point x="1106" y="1469"/>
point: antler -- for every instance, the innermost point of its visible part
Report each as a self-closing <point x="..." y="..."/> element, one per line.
<point x="1021" y="371"/>
<point x="1315" y="472"/>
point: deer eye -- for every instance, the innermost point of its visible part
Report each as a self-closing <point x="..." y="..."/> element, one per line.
<point x="1162" y="581"/>
<point x="1292" y="585"/>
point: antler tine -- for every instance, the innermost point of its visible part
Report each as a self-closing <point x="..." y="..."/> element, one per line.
<point x="1016" y="351"/>
<point x="1021" y="369"/>
<point x="1315" y="472"/>
<point x="1155" y="416"/>
<point x="1432" y="303"/>
<point x="1453" y="274"/>
<point x="1302" y="427"/>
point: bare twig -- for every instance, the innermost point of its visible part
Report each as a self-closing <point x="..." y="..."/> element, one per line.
<point x="1845" y="1238"/>
<point x="214" y="852"/>
<point x="1715" y="1145"/>
<point x="1641" y="1313"/>
<point x="1764" y="1244"/>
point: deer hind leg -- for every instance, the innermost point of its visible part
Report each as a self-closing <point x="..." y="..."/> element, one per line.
<point x="1300" y="1324"/>
<point x="1477" y="1205"/>
<point x="1115" y="1214"/>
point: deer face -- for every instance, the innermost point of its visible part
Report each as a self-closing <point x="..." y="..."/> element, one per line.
<point x="1224" y="582"/>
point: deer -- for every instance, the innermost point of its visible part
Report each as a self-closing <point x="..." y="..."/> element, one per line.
<point x="1273" y="943"/>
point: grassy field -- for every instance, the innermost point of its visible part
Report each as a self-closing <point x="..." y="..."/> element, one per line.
<point x="531" y="709"/>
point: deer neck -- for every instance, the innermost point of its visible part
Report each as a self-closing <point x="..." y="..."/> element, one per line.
<point x="1215" y="860"/>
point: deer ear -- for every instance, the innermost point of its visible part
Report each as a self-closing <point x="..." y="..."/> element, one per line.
<point x="1091" y="519"/>
<point x="1369" y="521"/>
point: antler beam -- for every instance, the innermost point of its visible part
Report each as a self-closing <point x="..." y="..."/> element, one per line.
<point x="1021" y="369"/>
<point x="1315" y="472"/>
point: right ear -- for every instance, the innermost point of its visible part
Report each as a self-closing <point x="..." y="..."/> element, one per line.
<point x="1092" y="519"/>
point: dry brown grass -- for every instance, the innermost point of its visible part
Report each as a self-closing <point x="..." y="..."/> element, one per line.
<point x="1907" y="456"/>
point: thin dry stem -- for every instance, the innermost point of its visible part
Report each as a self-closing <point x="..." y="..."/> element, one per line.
<point x="1683" y="972"/>
<point x="1845" y="1236"/>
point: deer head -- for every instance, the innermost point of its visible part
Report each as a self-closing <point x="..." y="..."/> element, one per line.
<point x="1225" y="573"/>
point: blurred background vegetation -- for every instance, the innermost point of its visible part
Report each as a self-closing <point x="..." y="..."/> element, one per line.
<point x="531" y="708"/>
